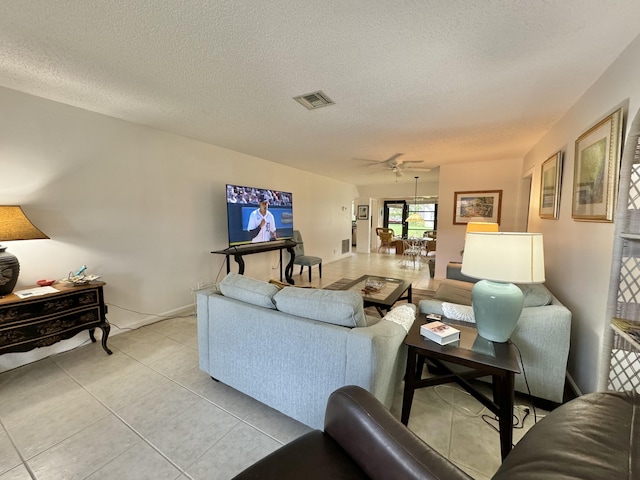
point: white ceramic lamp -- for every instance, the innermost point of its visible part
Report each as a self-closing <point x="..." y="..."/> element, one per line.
<point x="500" y="260"/>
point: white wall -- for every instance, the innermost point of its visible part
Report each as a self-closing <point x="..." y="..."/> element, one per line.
<point x="492" y="175"/>
<point x="140" y="207"/>
<point x="578" y="254"/>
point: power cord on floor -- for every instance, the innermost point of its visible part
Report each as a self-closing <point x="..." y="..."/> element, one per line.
<point x="526" y="382"/>
<point x="464" y="410"/>
<point x="220" y="270"/>
<point x="518" y="423"/>
<point x="164" y="317"/>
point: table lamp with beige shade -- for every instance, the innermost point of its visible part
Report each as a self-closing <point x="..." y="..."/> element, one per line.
<point x="478" y="226"/>
<point x="501" y="259"/>
<point x="14" y="225"/>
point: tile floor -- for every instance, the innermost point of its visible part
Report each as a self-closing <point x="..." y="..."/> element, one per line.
<point x="148" y="412"/>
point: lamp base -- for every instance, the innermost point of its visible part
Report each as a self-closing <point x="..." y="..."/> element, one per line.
<point x="497" y="307"/>
<point x="9" y="270"/>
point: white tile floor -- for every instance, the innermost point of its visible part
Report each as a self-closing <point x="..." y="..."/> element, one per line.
<point x="148" y="412"/>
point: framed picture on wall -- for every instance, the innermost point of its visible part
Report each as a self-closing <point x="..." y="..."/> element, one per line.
<point x="595" y="172"/>
<point x="550" y="183"/>
<point x="477" y="206"/>
<point x="363" y="212"/>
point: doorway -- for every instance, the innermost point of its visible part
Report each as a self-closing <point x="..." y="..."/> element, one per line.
<point x="394" y="213"/>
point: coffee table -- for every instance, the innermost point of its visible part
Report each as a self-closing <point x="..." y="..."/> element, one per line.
<point x="392" y="290"/>
<point x="482" y="356"/>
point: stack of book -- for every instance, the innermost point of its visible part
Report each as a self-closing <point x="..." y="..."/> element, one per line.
<point x="630" y="328"/>
<point x="440" y="332"/>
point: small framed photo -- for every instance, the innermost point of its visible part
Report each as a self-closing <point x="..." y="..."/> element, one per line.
<point x="595" y="172"/>
<point x="363" y="212"/>
<point x="550" y="183"/>
<point x="477" y="206"/>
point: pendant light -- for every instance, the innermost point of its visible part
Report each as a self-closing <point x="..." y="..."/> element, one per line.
<point x="414" y="217"/>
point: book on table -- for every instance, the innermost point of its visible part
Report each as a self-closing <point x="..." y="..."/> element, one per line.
<point x="440" y="332"/>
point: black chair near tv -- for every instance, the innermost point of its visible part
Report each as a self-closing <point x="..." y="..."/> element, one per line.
<point x="302" y="259"/>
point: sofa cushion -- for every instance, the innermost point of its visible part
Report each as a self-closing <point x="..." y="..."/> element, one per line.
<point x="249" y="290"/>
<point x="535" y="295"/>
<point x="338" y="307"/>
<point x="454" y="291"/>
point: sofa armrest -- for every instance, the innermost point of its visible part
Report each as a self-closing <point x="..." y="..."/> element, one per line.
<point x="378" y="443"/>
<point x="376" y="359"/>
<point x="543" y="336"/>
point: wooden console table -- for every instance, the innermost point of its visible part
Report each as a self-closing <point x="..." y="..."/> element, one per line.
<point x="242" y="250"/>
<point x="40" y="321"/>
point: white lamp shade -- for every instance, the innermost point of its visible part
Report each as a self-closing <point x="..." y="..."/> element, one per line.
<point x="504" y="257"/>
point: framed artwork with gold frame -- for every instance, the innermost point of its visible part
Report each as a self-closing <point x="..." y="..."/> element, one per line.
<point x="595" y="171"/>
<point x="550" y="183"/>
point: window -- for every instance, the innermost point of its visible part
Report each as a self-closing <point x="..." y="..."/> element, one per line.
<point x="429" y="213"/>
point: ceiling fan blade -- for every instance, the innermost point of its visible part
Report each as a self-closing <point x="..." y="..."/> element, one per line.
<point x="414" y="169"/>
<point x="373" y="162"/>
<point x="412" y="161"/>
<point x="393" y="157"/>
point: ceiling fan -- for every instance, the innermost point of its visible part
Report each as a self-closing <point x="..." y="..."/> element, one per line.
<point x="392" y="164"/>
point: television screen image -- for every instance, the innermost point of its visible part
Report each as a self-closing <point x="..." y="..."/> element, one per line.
<point x="256" y="215"/>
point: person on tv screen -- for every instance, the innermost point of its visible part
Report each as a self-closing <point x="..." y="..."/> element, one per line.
<point x="261" y="222"/>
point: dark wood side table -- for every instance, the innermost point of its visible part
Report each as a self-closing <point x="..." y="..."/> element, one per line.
<point x="40" y="321"/>
<point x="482" y="356"/>
<point x="241" y="250"/>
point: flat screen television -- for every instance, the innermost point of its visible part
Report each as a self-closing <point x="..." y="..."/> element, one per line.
<point x="256" y="215"/>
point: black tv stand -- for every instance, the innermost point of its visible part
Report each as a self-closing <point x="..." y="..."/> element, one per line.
<point x="241" y="250"/>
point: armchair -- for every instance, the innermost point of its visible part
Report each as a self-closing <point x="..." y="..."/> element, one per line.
<point x="361" y="440"/>
<point x="386" y="238"/>
<point x="591" y="437"/>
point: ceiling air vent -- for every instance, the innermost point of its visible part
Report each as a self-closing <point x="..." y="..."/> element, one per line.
<point x="314" y="100"/>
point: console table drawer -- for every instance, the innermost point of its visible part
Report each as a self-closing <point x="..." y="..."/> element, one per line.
<point x="49" y="331"/>
<point x="20" y="312"/>
<point x="42" y="320"/>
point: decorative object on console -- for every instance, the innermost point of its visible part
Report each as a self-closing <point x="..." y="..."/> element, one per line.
<point x="14" y="225"/>
<point x="414" y="217"/>
<point x="79" y="277"/>
<point x="500" y="260"/>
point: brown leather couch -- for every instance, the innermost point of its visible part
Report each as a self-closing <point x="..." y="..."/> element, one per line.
<point x="594" y="437"/>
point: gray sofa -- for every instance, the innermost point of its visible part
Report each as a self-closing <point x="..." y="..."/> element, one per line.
<point x="290" y="348"/>
<point x="542" y="334"/>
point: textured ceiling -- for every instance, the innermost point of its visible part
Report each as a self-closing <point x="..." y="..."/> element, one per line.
<point x="438" y="80"/>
